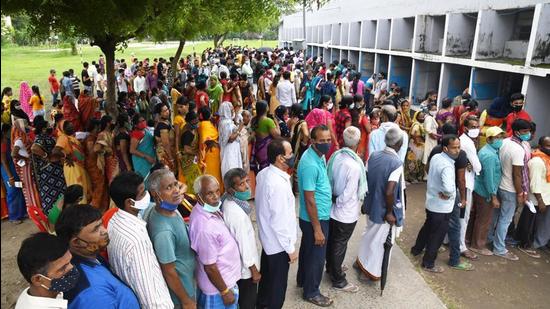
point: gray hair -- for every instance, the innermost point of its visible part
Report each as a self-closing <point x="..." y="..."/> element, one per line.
<point x="153" y="180"/>
<point x="197" y="185"/>
<point x="352" y="135"/>
<point x="390" y="111"/>
<point x="393" y="137"/>
<point x="245" y="112"/>
<point x="231" y="174"/>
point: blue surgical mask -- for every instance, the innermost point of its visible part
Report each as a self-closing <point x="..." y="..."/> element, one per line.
<point x="211" y="208"/>
<point x="525" y="137"/>
<point x="168" y="206"/>
<point x="243" y="196"/>
<point x="496" y="144"/>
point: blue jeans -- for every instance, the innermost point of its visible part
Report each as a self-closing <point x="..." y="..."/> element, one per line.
<point x="54" y="97"/>
<point x="502" y="217"/>
<point x="311" y="261"/>
<point x="454" y="234"/>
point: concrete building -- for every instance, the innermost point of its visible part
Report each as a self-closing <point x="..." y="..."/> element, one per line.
<point x="492" y="47"/>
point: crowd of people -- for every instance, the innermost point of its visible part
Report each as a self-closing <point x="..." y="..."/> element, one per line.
<point x="152" y="207"/>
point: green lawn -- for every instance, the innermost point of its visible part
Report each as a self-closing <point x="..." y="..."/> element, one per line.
<point x="33" y="64"/>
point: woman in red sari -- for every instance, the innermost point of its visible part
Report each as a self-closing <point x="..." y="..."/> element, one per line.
<point x="70" y="113"/>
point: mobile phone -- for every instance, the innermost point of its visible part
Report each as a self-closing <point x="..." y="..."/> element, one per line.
<point x="18" y="184"/>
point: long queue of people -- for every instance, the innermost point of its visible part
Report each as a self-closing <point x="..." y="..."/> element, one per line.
<point x="152" y="208"/>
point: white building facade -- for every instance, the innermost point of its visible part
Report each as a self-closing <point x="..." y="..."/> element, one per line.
<point x="493" y="47"/>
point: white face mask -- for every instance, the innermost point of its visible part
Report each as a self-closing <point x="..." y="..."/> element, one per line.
<point x="433" y="113"/>
<point x="473" y="133"/>
<point x="143" y="203"/>
<point x="330" y="105"/>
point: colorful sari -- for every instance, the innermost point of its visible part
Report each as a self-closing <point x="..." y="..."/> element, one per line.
<point x="209" y="157"/>
<point x="162" y="153"/>
<point x="75" y="174"/>
<point x="13" y="195"/>
<point x="189" y="166"/>
<point x="100" y="199"/>
<point x="49" y="175"/>
<point x="108" y="163"/>
<point x="145" y="145"/>
<point x="25" y="94"/>
<point x="214" y="93"/>
<point x="25" y="172"/>
<point x="414" y="168"/>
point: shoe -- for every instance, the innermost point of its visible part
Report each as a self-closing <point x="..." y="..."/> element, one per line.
<point x="530" y="252"/>
<point x="470" y="255"/>
<point x="463" y="266"/>
<point x="508" y="255"/>
<point x="320" y="300"/>
<point x="483" y="251"/>
<point x="350" y="288"/>
<point x="435" y="269"/>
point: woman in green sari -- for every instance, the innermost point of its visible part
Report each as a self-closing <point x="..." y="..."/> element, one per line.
<point x="215" y="92"/>
<point x="189" y="150"/>
<point x="142" y="147"/>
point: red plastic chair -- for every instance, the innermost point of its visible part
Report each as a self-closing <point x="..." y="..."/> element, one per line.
<point x="39" y="218"/>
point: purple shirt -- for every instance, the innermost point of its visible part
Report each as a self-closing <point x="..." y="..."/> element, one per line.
<point x="213" y="244"/>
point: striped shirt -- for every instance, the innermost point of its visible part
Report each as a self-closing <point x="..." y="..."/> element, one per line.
<point x="133" y="260"/>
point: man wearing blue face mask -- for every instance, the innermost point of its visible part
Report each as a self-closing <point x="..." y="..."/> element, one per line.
<point x="485" y="190"/>
<point x="170" y="239"/>
<point x="130" y="250"/>
<point x="236" y="215"/>
<point x="315" y="204"/>
<point x="514" y="185"/>
<point x="217" y="251"/>
<point x="45" y="262"/>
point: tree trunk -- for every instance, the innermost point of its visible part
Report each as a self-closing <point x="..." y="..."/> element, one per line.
<point x="222" y="39"/>
<point x="74" y="51"/>
<point x="176" y="59"/>
<point x="216" y="40"/>
<point x="108" y="48"/>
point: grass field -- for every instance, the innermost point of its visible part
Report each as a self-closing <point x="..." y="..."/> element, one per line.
<point x="33" y="64"/>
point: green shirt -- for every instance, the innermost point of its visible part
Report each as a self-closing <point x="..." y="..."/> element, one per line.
<point x="54" y="213"/>
<point x="265" y="125"/>
<point x="488" y="180"/>
<point x="170" y="239"/>
<point x="312" y="176"/>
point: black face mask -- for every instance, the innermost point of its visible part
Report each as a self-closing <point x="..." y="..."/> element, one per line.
<point x="517" y="108"/>
<point x="545" y="150"/>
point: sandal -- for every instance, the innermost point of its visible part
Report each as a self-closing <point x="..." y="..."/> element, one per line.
<point x="463" y="266"/>
<point x="470" y="255"/>
<point x="508" y="255"/>
<point x="435" y="269"/>
<point x="350" y="288"/>
<point x="320" y="300"/>
<point x="530" y="252"/>
<point x="483" y="251"/>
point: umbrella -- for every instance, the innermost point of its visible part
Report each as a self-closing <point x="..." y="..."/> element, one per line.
<point x="385" y="261"/>
<point x="265" y="49"/>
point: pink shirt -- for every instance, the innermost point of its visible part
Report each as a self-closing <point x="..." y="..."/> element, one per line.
<point x="213" y="243"/>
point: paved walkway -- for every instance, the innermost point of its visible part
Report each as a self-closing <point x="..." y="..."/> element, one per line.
<point x="405" y="288"/>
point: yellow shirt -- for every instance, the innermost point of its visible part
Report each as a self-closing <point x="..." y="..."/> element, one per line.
<point x="179" y="121"/>
<point x="35" y="103"/>
<point x="6" y="119"/>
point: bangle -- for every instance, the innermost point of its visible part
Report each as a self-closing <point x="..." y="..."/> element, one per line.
<point x="224" y="292"/>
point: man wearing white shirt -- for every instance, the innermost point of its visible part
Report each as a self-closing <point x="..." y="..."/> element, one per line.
<point x="139" y="82"/>
<point x="276" y="216"/>
<point x="45" y="262"/>
<point x="467" y="143"/>
<point x="131" y="254"/>
<point x="286" y="94"/>
<point x="236" y="215"/>
<point x="347" y="176"/>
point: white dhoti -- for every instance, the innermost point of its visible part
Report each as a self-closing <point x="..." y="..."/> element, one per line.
<point x="371" y="248"/>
